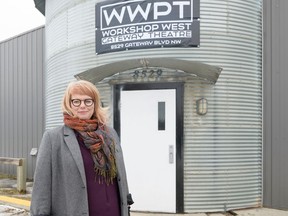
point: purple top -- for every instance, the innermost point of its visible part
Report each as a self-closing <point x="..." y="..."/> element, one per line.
<point x="103" y="199"/>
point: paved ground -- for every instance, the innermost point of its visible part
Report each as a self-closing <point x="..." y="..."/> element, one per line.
<point x="12" y="207"/>
<point x="8" y="210"/>
<point x="18" y="205"/>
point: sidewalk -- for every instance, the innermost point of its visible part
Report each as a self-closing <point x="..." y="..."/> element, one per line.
<point x="17" y="204"/>
<point x="10" y="210"/>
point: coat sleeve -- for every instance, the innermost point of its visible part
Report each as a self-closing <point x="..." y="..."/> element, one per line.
<point x="41" y="194"/>
<point x="125" y="196"/>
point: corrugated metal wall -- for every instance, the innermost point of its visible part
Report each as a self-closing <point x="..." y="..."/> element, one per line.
<point x="275" y="104"/>
<point x="22" y="93"/>
<point x="222" y="150"/>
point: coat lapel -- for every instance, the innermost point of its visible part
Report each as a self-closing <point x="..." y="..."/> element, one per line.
<point x="73" y="146"/>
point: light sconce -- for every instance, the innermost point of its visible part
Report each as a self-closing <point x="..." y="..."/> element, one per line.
<point x="202" y="106"/>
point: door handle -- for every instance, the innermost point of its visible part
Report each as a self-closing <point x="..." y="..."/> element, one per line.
<point x="171" y="154"/>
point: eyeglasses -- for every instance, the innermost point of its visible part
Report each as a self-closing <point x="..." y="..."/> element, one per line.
<point x="87" y="102"/>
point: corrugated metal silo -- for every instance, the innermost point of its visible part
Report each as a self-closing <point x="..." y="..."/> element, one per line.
<point x="223" y="149"/>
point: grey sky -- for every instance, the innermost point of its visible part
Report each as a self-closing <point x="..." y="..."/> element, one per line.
<point x="18" y="16"/>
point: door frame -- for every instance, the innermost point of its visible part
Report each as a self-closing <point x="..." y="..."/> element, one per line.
<point x="179" y="88"/>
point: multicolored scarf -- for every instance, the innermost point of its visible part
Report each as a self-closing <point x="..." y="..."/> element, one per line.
<point x="100" y="143"/>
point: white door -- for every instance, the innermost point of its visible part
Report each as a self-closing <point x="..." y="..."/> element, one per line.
<point x="148" y="139"/>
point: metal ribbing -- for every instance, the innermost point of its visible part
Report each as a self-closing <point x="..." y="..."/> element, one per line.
<point x="222" y="152"/>
<point x="223" y="149"/>
<point x="21" y="93"/>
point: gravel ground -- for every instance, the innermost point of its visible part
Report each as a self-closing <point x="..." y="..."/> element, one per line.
<point x="11" y="211"/>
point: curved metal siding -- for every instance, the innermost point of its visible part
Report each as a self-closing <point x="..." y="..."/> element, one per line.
<point x="223" y="149"/>
<point x="106" y="99"/>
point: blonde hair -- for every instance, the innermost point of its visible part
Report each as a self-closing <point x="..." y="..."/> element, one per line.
<point x="85" y="88"/>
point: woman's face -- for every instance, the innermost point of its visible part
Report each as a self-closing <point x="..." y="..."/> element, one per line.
<point x="82" y="106"/>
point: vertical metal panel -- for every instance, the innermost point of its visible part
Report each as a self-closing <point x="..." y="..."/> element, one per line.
<point x="276" y="105"/>
<point x="267" y="117"/>
<point x="22" y="93"/>
<point x="223" y="149"/>
<point x="279" y="104"/>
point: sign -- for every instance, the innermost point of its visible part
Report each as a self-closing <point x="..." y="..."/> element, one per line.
<point x="140" y="24"/>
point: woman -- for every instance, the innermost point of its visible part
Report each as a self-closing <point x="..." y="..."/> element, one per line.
<point x="80" y="168"/>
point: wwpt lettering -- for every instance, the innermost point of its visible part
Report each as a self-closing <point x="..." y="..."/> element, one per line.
<point x="117" y="14"/>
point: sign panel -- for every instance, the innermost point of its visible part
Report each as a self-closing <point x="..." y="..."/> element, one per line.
<point x="140" y="24"/>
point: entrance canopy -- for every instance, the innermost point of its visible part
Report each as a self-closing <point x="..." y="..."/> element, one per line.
<point x="204" y="71"/>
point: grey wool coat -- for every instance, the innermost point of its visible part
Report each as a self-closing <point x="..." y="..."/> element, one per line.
<point x="59" y="180"/>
